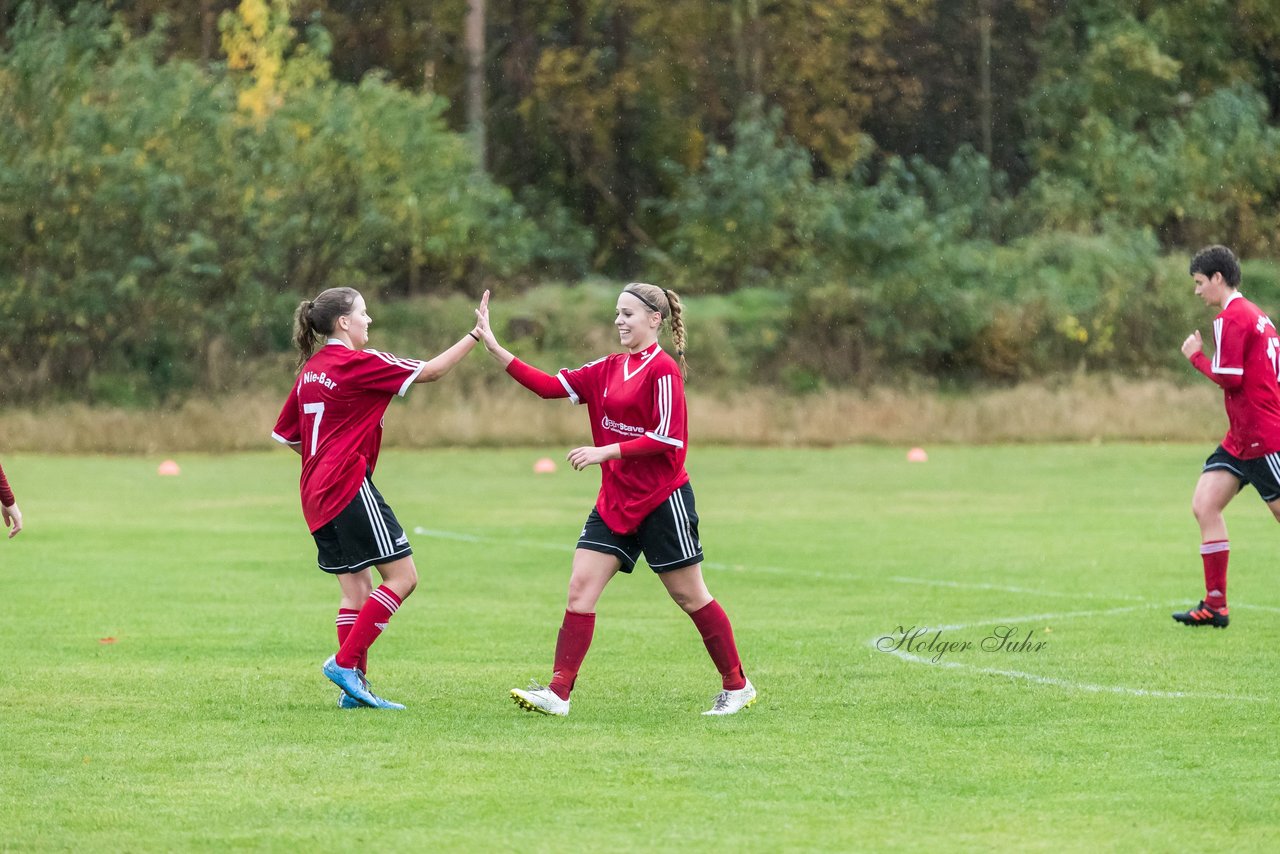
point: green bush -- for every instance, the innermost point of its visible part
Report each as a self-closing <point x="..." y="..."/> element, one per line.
<point x="147" y="224"/>
<point x="738" y="221"/>
<point x="1211" y="175"/>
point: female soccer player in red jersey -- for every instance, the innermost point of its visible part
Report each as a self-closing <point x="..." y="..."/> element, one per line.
<point x="635" y="401"/>
<point x="333" y="418"/>
<point x="9" y="508"/>
<point x="1246" y="365"/>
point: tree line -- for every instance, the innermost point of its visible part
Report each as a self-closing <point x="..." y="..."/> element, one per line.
<point x="970" y="188"/>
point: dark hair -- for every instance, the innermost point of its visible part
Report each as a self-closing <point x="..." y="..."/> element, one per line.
<point x="667" y="303"/>
<point x="1217" y="259"/>
<point x="317" y="317"/>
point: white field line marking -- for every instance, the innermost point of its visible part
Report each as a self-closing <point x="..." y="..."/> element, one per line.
<point x="1050" y="680"/>
<point x="1258" y="608"/>
<point x="561" y="547"/>
<point x="1026" y="618"/>
<point x="965" y="585"/>
<point x="794" y="573"/>
<point x="1025" y="591"/>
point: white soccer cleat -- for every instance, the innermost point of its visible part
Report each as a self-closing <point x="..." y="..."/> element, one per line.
<point x="535" y="698"/>
<point x="732" y="702"/>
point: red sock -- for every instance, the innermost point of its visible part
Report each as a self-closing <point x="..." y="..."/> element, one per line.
<point x="1214" y="554"/>
<point x="370" y="622"/>
<point x="346" y="620"/>
<point x="571" y="647"/>
<point x="717" y="634"/>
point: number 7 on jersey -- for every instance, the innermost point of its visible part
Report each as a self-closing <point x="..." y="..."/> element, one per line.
<point x="318" y="409"/>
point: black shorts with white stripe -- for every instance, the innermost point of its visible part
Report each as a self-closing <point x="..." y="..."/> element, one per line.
<point x="1262" y="472"/>
<point x="668" y="537"/>
<point x="364" y="534"/>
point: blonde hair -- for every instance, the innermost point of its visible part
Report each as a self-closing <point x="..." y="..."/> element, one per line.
<point x="667" y="303"/>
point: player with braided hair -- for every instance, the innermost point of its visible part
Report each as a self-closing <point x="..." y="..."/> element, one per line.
<point x="636" y="404"/>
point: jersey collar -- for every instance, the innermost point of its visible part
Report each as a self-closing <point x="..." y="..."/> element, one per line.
<point x="636" y="361"/>
<point x="337" y="341"/>
<point x="1235" y="296"/>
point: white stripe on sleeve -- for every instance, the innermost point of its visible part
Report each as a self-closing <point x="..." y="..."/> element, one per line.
<point x="573" y="395"/>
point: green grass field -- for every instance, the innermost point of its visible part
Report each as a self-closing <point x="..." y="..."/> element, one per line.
<point x="207" y="725"/>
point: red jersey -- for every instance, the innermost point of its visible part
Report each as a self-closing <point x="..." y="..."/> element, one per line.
<point x="6" y="494"/>
<point x="1246" y="363"/>
<point x="335" y="412"/>
<point x="628" y="396"/>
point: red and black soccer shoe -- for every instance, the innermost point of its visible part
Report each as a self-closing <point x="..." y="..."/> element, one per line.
<point x="1203" y="615"/>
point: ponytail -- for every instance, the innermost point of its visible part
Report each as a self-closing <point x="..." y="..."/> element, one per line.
<point x="315" y="319"/>
<point x="305" y="335"/>
<point x="678" y="337"/>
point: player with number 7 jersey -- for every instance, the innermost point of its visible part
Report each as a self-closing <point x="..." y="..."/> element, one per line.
<point x="333" y="419"/>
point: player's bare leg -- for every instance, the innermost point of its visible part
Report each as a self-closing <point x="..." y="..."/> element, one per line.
<point x="346" y="668"/>
<point x="686" y="588"/>
<point x="400" y="575"/>
<point x="356" y="587"/>
<point x="689" y="591"/>
<point x="1213" y="493"/>
<point x="591" y="573"/>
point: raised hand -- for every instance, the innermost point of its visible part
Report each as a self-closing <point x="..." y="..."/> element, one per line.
<point x="482" y="327"/>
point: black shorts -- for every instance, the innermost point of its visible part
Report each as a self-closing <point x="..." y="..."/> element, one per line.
<point x="1262" y="472"/>
<point x="364" y="534"/>
<point x="668" y="536"/>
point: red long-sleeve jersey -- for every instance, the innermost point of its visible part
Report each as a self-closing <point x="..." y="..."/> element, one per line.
<point x="1246" y="364"/>
<point x="636" y="400"/>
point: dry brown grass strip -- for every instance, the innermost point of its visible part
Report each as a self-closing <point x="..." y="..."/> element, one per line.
<point x="1085" y="409"/>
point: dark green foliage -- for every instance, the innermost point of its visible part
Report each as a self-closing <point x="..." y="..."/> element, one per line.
<point x="156" y="233"/>
<point x="740" y="220"/>
<point x="151" y="231"/>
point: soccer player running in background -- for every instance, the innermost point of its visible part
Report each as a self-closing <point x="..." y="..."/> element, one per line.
<point x="1246" y="364"/>
<point x="333" y="418"/>
<point x="635" y="401"/>
<point x="9" y="508"/>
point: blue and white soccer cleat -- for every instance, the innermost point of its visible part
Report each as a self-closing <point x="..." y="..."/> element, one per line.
<point x="379" y="703"/>
<point x="350" y="680"/>
<point x="346" y="702"/>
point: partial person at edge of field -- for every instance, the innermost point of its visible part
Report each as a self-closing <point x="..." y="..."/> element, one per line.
<point x="1246" y="365"/>
<point x="9" y="508"/>
<point x="333" y="419"/>
<point x="639" y="429"/>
